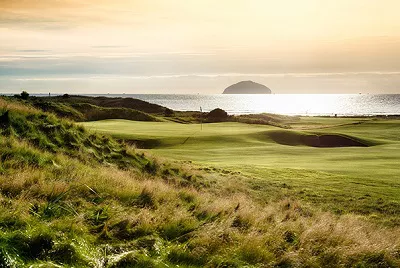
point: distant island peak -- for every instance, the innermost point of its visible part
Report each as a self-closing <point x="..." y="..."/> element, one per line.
<point x="247" y="87"/>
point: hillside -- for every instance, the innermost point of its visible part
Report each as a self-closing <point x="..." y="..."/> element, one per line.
<point x="130" y="103"/>
<point x="75" y="198"/>
<point x="83" y="108"/>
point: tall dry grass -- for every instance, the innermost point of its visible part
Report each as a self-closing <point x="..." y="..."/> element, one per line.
<point x="13" y="105"/>
<point x="192" y="226"/>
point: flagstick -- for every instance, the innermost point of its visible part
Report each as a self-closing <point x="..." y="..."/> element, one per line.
<point x="201" y="118"/>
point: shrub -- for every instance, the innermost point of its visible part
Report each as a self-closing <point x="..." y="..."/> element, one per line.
<point x="24" y="95"/>
<point x="217" y="115"/>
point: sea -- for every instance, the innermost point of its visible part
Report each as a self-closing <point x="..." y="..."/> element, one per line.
<point x="286" y="104"/>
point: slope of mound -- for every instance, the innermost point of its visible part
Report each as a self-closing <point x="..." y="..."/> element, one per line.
<point x="130" y="103"/>
<point x="93" y="113"/>
<point x="48" y="133"/>
<point x="247" y="87"/>
<point x="89" y="112"/>
<point x="293" y="138"/>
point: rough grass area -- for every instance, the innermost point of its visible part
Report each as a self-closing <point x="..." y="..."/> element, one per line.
<point x="93" y="113"/>
<point x="90" y="112"/>
<point x="21" y="124"/>
<point x="81" y="216"/>
<point x="62" y="207"/>
<point x="129" y="103"/>
<point x="282" y="121"/>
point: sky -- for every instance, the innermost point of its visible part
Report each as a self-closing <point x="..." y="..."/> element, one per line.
<point x="199" y="46"/>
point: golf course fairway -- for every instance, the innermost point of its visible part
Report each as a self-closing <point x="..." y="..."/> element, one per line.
<point x="362" y="179"/>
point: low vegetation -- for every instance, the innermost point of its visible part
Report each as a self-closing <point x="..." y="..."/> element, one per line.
<point x="89" y="112"/>
<point x="128" y="103"/>
<point x="74" y="198"/>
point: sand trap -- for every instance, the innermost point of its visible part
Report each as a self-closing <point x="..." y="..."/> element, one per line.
<point x="331" y="141"/>
<point x="314" y="140"/>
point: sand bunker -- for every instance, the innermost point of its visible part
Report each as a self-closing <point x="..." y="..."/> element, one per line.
<point x="314" y="140"/>
<point x="331" y="141"/>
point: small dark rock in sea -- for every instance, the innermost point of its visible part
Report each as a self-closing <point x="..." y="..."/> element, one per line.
<point x="247" y="87"/>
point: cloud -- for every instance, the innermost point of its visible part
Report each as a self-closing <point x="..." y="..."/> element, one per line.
<point x="66" y="14"/>
<point x="33" y="50"/>
<point x="108" y="46"/>
<point x="216" y="75"/>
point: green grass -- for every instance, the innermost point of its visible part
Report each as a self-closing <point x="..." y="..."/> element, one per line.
<point x="362" y="180"/>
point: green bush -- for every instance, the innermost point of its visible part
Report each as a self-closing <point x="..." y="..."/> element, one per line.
<point x="24" y="95"/>
<point x="217" y="115"/>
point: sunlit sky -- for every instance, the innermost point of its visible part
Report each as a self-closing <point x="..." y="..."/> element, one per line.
<point x="199" y="46"/>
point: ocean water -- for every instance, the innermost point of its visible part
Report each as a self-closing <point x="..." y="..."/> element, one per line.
<point x="288" y="104"/>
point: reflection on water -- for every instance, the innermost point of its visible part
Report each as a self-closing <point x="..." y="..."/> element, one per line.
<point x="290" y="104"/>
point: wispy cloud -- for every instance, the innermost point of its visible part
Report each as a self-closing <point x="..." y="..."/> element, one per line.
<point x="66" y="14"/>
<point x="33" y="50"/>
<point x="220" y="75"/>
<point x="108" y="46"/>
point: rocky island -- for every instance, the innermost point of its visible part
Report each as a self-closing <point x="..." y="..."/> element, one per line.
<point x="247" y="87"/>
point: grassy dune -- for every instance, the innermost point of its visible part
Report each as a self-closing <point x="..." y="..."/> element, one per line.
<point x="362" y="180"/>
<point x="71" y="197"/>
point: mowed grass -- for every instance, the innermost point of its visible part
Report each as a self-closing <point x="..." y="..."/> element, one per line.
<point x="362" y="180"/>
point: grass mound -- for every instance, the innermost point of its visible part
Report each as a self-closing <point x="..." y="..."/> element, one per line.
<point x="94" y="113"/>
<point x="282" y="121"/>
<point x="129" y="103"/>
<point x="60" y="109"/>
<point x="90" y="112"/>
<point x="46" y="132"/>
<point x="294" y="138"/>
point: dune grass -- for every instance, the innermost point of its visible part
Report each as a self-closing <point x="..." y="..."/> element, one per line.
<point x="63" y="216"/>
<point x="362" y="180"/>
<point x="63" y="206"/>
